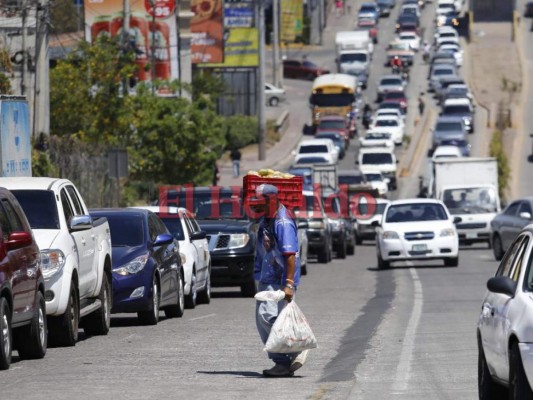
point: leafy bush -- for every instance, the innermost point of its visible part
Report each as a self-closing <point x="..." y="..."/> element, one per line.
<point x="240" y="131"/>
<point x="497" y="151"/>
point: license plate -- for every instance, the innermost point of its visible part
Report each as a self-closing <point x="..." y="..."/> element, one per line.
<point x="471" y="235"/>
<point x="420" y="247"/>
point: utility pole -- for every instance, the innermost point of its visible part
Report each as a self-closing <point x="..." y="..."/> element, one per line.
<point x="24" y="54"/>
<point x="275" y="42"/>
<point x="152" y="49"/>
<point x="261" y="81"/>
<point x="41" y="98"/>
<point x="126" y="23"/>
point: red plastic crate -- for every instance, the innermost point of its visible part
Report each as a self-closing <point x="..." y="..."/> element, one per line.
<point x="289" y="190"/>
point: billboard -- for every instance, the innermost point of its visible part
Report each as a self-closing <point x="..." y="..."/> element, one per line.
<point x="238" y="15"/>
<point x="292" y="13"/>
<point x="241" y="48"/>
<point x="16" y="141"/>
<point x="207" y="31"/>
<point x="106" y="17"/>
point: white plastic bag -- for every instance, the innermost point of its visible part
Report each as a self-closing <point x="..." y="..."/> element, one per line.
<point x="270" y="295"/>
<point x="291" y="332"/>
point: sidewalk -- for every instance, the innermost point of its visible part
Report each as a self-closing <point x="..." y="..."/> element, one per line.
<point x="281" y="151"/>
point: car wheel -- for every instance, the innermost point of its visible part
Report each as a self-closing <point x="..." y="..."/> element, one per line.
<point x="98" y="322"/>
<point x="248" y="288"/>
<point x="323" y="256"/>
<point x="32" y="339"/>
<point x="274" y="101"/>
<point x="382" y="264"/>
<point x="488" y="389"/>
<point x="204" y="296"/>
<point x="350" y="250"/>
<point x="177" y="310"/>
<point x="151" y="317"/>
<point x="63" y="330"/>
<point x="519" y="388"/>
<point x="451" y="262"/>
<point x="341" y="250"/>
<point x="190" y="299"/>
<point x="6" y="337"/>
<point x="497" y="248"/>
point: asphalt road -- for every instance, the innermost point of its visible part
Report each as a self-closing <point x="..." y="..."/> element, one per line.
<point x="407" y="332"/>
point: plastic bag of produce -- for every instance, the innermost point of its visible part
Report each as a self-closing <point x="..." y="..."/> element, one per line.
<point x="270" y="295"/>
<point x="291" y="332"/>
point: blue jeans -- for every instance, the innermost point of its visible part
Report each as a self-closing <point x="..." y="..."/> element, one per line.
<point x="266" y="313"/>
<point x="236" y="165"/>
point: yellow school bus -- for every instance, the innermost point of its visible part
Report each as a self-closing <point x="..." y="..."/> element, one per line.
<point x="332" y="94"/>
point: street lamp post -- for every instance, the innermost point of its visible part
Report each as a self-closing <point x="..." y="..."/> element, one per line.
<point x="152" y="48"/>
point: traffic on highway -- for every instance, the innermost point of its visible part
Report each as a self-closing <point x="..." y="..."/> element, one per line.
<point x="387" y="225"/>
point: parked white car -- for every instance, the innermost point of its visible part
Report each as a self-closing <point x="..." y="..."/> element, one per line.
<point x="417" y="229"/>
<point x="377" y="138"/>
<point x="505" y="326"/>
<point x="391" y="124"/>
<point x="317" y="148"/>
<point x="376" y="179"/>
<point x="411" y="38"/>
<point x="274" y="95"/>
<point x="194" y="251"/>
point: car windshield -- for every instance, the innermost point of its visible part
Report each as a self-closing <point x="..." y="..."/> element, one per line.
<point x="443" y="7"/>
<point x="389" y="105"/>
<point x="407" y="37"/>
<point x="210" y="204"/>
<point x="367" y="8"/>
<point x="364" y="208"/>
<point x="354" y="57"/>
<point x="306" y="173"/>
<point x="377" y="136"/>
<point x="391" y="82"/>
<point x="377" y="158"/>
<point x="457" y="109"/>
<point x="374" y="177"/>
<point x="350" y="179"/>
<point x="386" y="122"/>
<point x="173" y="224"/>
<point x="126" y="230"/>
<point x="40" y="208"/>
<point x="470" y="200"/>
<point x="443" y="71"/>
<point x="447" y="35"/>
<point x="332" y="124"/>
<point x="332" y="100"/>
<point x="312" y="160"/>
<point x="399" y="46"/>
<point x="313" y="148"/>
<point x="449" y="126"/>
<point x="416" y="212"/>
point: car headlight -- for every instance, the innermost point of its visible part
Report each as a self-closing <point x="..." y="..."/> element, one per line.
<point x="390" y="235"/>
<point x="238" y="240"/>
<point x="467" y="121"/>
<point x="447" y="232"/>
<point x="52" y="261"/>
<point x="317" y="116"/>
<point x="316" y="224"/>
<point x="134" y="266"/>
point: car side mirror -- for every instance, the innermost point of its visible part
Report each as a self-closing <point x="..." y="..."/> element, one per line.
<point x="80" y="223"/>
<point x="397" y="161"/>
<point x="525" y="215"/>
<point x="198" y="235"/>
<point x="376" y="224"/>
<point x="162" y="239"/>
<point x="357" y="162"/>
<point x="502" y="284"/>
<point x="16" y="240"/>
<point x="457" y="220"/>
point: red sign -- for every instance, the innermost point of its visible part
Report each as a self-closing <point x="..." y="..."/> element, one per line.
<point x="161" y="8"/>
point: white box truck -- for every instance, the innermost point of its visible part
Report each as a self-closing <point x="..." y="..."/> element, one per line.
<point x="469" y="188"/>
<point x="353" y="50"/>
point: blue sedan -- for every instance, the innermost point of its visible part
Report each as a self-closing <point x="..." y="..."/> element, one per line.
<point x="147" y="267"/>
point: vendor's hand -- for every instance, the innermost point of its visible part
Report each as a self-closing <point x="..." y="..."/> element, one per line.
<point x="289" y="293"/>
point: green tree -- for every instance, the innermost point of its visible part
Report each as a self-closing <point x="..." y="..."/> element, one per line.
<point x="86" y="93"/>
<point x="64" y="16"/>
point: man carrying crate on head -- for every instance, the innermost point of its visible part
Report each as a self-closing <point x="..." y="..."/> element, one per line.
<point x="277" y="267"/>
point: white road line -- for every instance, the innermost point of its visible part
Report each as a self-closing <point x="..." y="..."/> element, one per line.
<point x="403" y="370"/>
<point x="202" y="317"/>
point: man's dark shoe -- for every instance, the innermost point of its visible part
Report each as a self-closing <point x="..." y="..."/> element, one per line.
<point x="278" y="371"/>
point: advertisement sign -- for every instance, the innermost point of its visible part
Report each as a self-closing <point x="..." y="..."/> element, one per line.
<point x="292" y="12"/>
<point x="207" y="30"/>
<point x="241" y="49"/>
<point x="16" y="141"/>
<point x="105" y="17"/>
<point x="238" y="15"/>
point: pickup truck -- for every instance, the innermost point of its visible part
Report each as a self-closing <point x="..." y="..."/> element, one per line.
<point x="75" y="256"/>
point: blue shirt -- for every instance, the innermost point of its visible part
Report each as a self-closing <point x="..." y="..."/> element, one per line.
<point x="276" y="239"/>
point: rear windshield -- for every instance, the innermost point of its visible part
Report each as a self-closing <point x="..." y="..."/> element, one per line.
<point x="387" y="122"/>
<point x="449" y="126"/>
<point x="391" y="81"/>
<point x="40" y="208"/>
<point x="315" y="148"/>
<point x="350" y="179"/>
<point x="441" y="71"/>
<point x="126" y="230"/>
<point x="384" y="106"/>
<point x="377" y="158"/>
<point x="416" y="212"/>
<point x="358" y="57"/>
<point x="312" y="160"/>
<point x="395" y="95"/>
<point x="456" y="109"/>
<point x="332" y="124"/>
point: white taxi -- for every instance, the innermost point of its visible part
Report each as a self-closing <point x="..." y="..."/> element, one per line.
<point x="417" y="229"/>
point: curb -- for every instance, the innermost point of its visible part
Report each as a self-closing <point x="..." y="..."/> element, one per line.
<point x="283" y="122"/>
